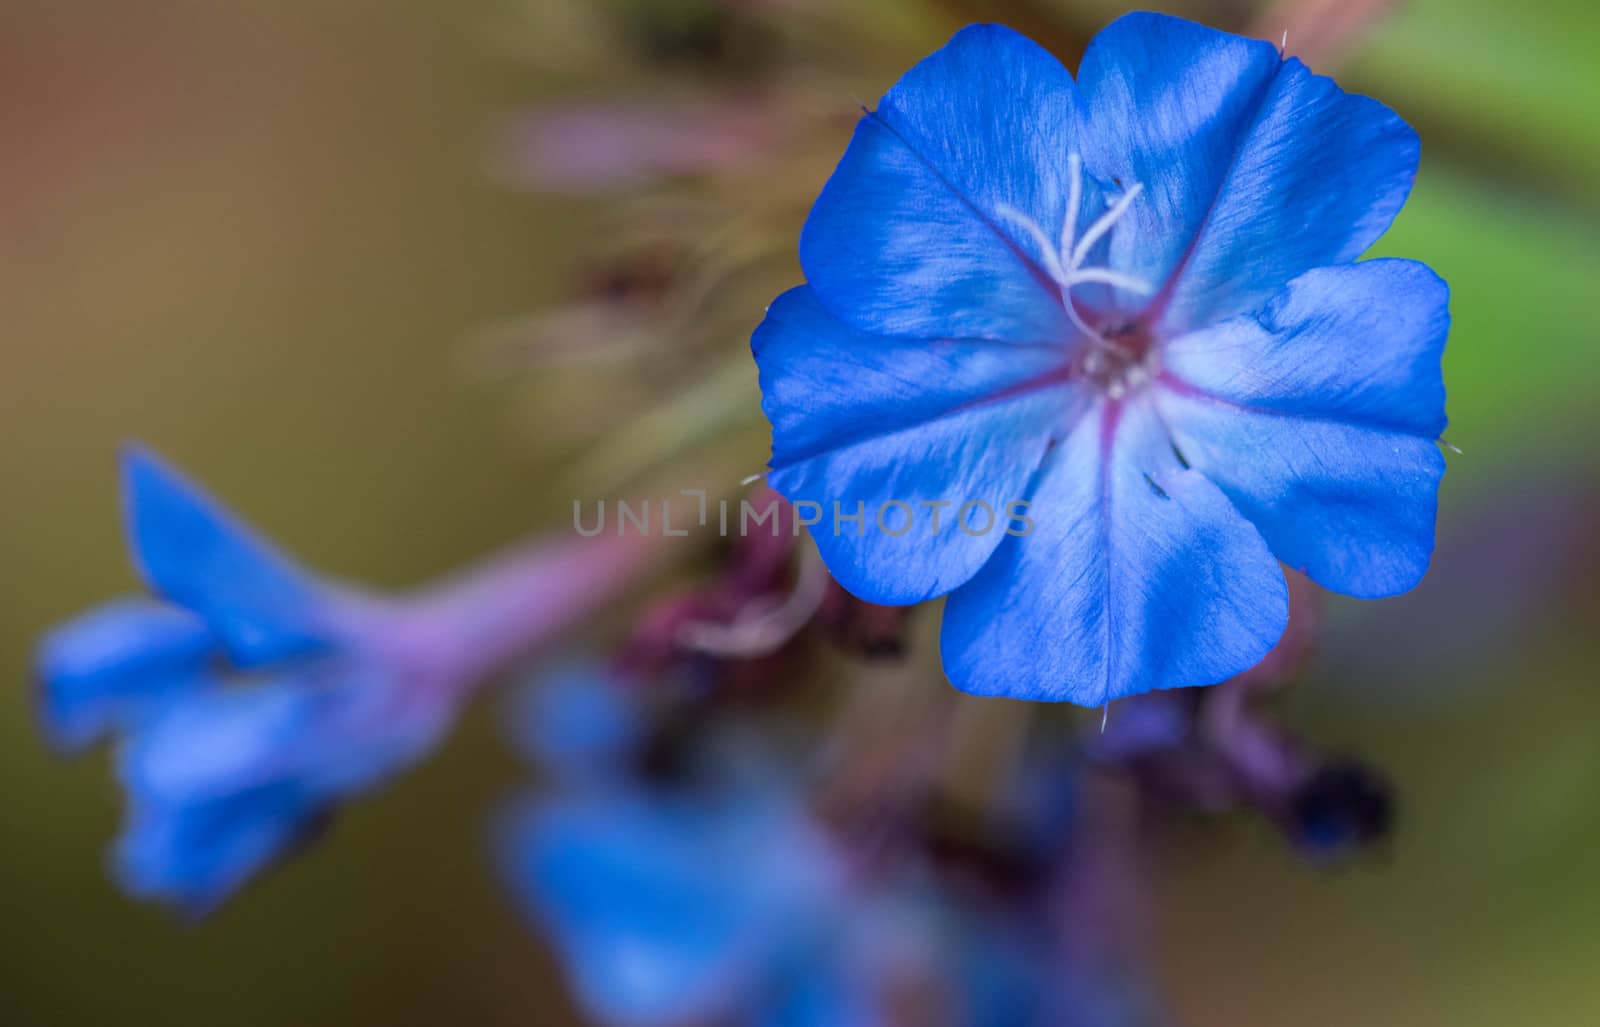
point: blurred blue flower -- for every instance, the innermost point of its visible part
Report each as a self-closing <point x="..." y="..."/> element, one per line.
<point x="249" y="700"/>
<point x="578" y="722"/>
<point x="709" y="891"/>
<point x="673" y="907"/>
<point x="1127" y="302"/>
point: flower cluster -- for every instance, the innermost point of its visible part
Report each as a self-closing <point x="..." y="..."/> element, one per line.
<point x="690" y="864"/>
<point x="1130" y="301"/>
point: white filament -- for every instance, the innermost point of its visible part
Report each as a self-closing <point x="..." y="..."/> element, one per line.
<point x="1104" y="225"/>
<point x="1063" y="262"/>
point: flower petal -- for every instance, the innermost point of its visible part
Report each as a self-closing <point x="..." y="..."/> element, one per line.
<point x="1138" y="575"/>
<point x="224" y="782"/>
<point x="194" y="857"/>
<point x="116" y="665"/>
<point x="1255" y="170"/>
<point x="337" y="729"/>
<point x="191" y="550"/>
<point x="1318" y="416"/>
<point x="861" y="423"/>
<point x="911" y="236"/>
<point x="1164" y="102"/>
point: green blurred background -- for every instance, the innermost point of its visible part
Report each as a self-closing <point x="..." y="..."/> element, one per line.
<point x="255" y="236"/>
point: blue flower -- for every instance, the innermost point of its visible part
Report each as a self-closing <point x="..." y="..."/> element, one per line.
<point x="249" y="699"/>
<point x="1129" y="303"/>
<point x="685" y="906"/>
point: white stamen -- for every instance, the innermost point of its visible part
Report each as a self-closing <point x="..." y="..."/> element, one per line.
<point x="1104" y="225"/>
<point x="1052" y="263"/>
<point x="1069" y="224"/>
<point x="1115" y="279"/>
<point x="1064" y="263"/>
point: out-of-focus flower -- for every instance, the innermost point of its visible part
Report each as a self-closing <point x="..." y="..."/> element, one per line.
<point x="1124" y="306"/>
<point x="713" y="893"/>
<point x="686" y="872"/>
<point x="709" y="896"/>
<point x="251" y="700"/>
<point x="579" y="722"/>
<point x="1342" y="808"/>
<point x="254" y="696"/>
<point x="671" y="907"/>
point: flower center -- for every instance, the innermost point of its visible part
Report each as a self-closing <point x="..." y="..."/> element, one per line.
<point x="1123" y="359"/>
